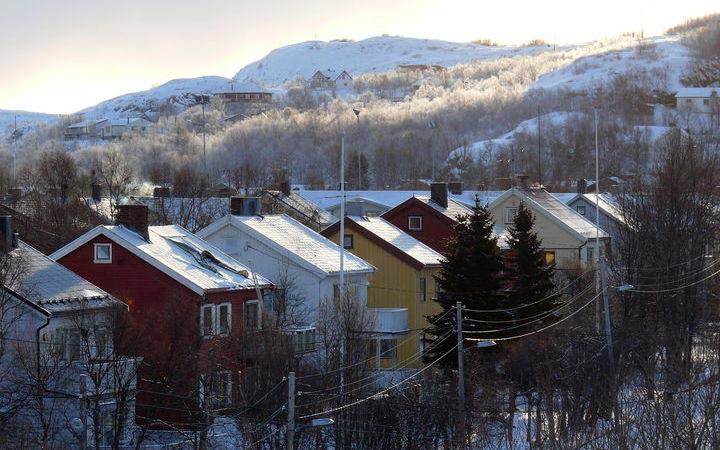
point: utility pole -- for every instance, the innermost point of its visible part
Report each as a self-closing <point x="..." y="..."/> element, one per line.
<point x="357" y="139"/>
<point x="461" y="375"/>
<point x="290" y="445"/>
<point x="538" y="143"/>
<point x="597" y="228"/>
<point x="204" y="151"/>
<point x="608" y="328"/>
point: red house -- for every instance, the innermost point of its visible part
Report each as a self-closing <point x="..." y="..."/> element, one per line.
<point x="430" y="220"/>
<point x="189" y="304"/>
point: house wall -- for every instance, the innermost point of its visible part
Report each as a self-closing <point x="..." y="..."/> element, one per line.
<point x="435" y="233"/>
<point x="705" y="105"/>
<point x="166" y="315"/>
<point x="566" y="246"/>
<point x="396" y="285"/>
<point x="607" y="223"/>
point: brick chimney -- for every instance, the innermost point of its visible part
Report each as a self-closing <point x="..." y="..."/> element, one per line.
<point x="522" y="181"/>
<point x="455" y="187"/>
<point x="8" y="240"/>
<point x="134" y="215"/>
<point x="96" y="192"/>
<point x="439" y="194"/>
<point x="582" y="186"/>
<point x="244" y="206"/>
<point x="285" y="187"/>
<point x="161" y="192"/>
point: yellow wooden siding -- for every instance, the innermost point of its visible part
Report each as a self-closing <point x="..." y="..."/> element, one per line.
<point x="396" y="285"/>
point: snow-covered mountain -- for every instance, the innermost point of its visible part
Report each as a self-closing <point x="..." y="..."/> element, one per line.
<point x="377" y="54"/>
<point x="175" y="94"/>
<point x="25" y="121"/>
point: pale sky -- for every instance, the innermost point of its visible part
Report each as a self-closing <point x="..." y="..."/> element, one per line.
<point x="59" y="56"/>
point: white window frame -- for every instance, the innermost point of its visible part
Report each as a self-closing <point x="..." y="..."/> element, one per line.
<point x="349" y="241"/>
<point x="64" y="345"/>
<point x="417" y="226"/>
<point x="213" y="311"/>
<point x="258" y="323"/>
<point x="580" y="209"/>
<point x="510" y="213"/>
<point x="102" y="260"/>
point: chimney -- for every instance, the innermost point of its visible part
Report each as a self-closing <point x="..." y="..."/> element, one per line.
<point x="7" y="239"/>
<point x="455" y="187"/>
<point x="439" y="194"/>
<point x="96" y="192"/>
<point x="15" y="194"/>
<point x="161" y="192"/>
<point x="285" y="187"/>
<point x="582" y="186"/>
<point x="134" y="215"/>
<point x="245" y="206"/>
<point x="523" y="181"/>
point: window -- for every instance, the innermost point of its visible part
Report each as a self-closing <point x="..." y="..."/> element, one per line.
<point x="688" y="100"/>
<point x="510" y="214"/>
<point x="549" y="258"/>
<point x="436" y="289"/>
<point x="352" y="291"/>
<point x="580" y="209"/>
<point x="69" y="344"/>
<point x="415" y="223"/>
<point x="103" y="254"/>
<point x="216" y="320"/>
<point x="348" y="241"/>
<point x="107" y="424"/>
<point x="252" y="315"/>
<point x="305" y="340"/>
<point x="422" y="290"/>
<point x="218" y="390"/>
<point x="590" y="254"/>
<point x="102" y="348"/>
<point x="706" y="101"/>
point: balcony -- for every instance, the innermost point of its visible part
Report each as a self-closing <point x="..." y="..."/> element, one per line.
<point x="389" y="320"/>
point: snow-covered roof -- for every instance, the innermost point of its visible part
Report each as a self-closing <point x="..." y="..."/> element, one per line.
<point x="454" y="208"/>
<point x="698" y="92"/>
<point x="86" y="123"/>
<point x="547" y="204"/>
<point x="294" y="240"/>
<point x="604" y="201"/>
<point x="242" y="88"/>
<point x="52" y="287"/>
<point x="178" y="253"/>
<point x="327" y="199"/>
<point x="399" y="240"/>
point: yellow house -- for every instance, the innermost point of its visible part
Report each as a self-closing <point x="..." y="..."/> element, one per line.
<point x="567" y="237"/>
<point x="400" y="293"/>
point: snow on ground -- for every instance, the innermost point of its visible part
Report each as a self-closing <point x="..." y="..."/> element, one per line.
<point x="669" y="56"/>
<point x="178" y="93"/>
<point x="376" y="54"/>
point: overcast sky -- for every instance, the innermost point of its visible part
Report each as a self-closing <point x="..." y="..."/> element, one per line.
<point x="60" y="56"/>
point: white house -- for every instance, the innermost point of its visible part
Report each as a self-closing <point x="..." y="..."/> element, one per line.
<point x="304" y="265"/>
<point x="59" y="369"/>
<point x="330" y="80"/>
<point x="698" y="100"/>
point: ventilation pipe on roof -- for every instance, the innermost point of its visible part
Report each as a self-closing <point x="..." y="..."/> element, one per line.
<point x="7" y="239"/>
<point x="455" y="187"/>
<point x="582" y="186"/>
<point x="245" y="206"/>
<point x="523" y="181"/>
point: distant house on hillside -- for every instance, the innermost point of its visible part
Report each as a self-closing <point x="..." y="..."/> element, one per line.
<point x="698" y="100"/>
<point x="244" y="93"/>
<point x="327" y="80"/>
<point x="105" y="128"/>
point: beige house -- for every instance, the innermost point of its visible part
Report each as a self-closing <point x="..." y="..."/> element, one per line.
<point x="567" y="237"/>
<point x="698" y="100"/>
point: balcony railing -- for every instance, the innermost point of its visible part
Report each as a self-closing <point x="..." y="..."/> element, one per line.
<point x="389" y="320"/>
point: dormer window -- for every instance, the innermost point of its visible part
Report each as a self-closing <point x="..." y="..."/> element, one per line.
<point x="510" y="214"/>
<point x="415" y="223"/>
<point x="103" y="254"/>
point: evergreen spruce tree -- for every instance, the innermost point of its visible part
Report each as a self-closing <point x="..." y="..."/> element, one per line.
<point x="471" y="274"/>
<point x="530" y="275"/>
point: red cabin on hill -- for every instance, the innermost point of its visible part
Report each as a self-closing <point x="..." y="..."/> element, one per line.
<point x="189" y="304"/>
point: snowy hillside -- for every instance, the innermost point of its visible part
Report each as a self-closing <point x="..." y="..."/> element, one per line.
<point x="176" y="94"/>
<point x="25" y="121"/>
<point x="377" y="54"/>
<point x="663" y="53"/>
<point x="485" y="150"/>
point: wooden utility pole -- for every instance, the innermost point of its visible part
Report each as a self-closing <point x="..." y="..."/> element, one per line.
<point x="290" y="445"/>
<point x="461" y="376"/>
